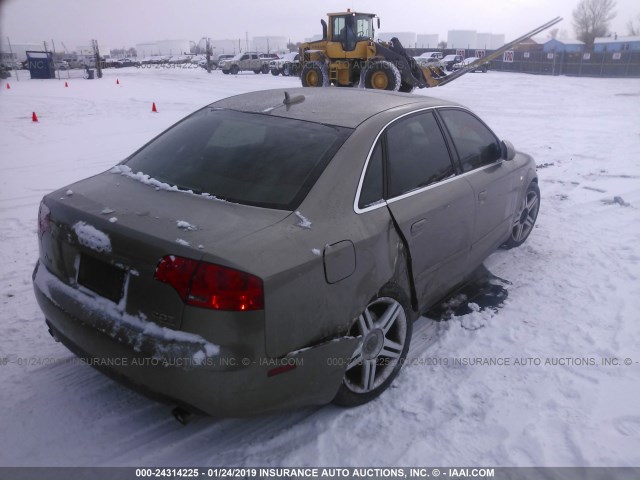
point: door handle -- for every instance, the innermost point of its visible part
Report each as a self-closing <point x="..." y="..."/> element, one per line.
<point x="482" y="196"/>
<point x="417" y="226"/>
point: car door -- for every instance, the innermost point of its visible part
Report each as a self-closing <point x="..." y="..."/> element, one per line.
<point x="432" y="208"/>
<point x="492" y="180"/>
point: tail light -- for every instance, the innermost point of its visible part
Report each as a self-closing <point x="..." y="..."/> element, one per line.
<point x="207" y="285"/>
<point x="44" y="219"/>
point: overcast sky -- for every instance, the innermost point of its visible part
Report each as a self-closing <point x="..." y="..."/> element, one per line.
<point x="123" y="23"/>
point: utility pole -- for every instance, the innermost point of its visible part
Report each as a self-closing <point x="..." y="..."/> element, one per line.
<point x="96" y="52"/>
<point x="246" y="41"/>
<point x="208" y="46"/>
<point x="13" y="60"/>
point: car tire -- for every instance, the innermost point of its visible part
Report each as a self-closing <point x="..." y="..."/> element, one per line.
<point x="385" y="328"/>
<point x="525" y="217"/>
<point x="226" y="72"/>
<point x="234" y="70"/>
<point x="265" y="69"/>
<point x="382" y="75"/>
<point x="315" y="74"/>
<point x="275" y="72"/>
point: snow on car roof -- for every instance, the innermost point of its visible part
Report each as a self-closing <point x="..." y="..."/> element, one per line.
<point x="325" y="105"/>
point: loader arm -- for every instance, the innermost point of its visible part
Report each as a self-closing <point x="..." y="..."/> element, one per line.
<point x="432" y="81"/>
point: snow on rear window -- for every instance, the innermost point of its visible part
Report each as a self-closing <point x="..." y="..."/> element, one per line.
<point x="247" y="158"/>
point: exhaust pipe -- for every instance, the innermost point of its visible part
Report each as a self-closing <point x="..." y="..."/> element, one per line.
<point x="51" y="332"/>
<point x="181" y="415"/>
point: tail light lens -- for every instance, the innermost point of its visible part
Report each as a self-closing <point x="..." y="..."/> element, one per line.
<point x="177" y="272"/>
<point x="44" y="219"/>
<point x="207" y="285"/>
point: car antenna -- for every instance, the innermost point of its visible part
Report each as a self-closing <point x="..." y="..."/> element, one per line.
<point x="289" y="100"/>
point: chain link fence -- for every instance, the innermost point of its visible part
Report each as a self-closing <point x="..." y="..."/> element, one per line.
<point x="590" y="64"/>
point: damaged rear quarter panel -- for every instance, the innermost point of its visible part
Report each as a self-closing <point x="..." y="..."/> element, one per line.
<point x="302" y="307"/>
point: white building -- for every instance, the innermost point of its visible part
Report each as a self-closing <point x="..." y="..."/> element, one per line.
<point x="162" y="47"/>
<point x="425" y="40"/>
<point x="474" y="40"/>
<point x="147" y="49"/>
<point x="174" y="47"/>
<point x="407" y="39"/>
<point x="462" y="39"/>
<point x="269" y="43"/>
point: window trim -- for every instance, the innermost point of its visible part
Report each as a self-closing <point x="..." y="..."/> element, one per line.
<point x="383" y="130"/>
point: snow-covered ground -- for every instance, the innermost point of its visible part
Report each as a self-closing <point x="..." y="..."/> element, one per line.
<point x="574" y="296"/>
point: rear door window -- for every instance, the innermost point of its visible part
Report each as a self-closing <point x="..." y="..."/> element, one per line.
<point x="417" y="155"/>
<point x="476" y="145"/>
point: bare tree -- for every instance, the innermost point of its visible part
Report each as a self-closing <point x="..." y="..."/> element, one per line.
<point x="634" y="26"/>
<point x="442" y="45"/>
<point x="553" y="33"/>
<point x="591" y="19"/>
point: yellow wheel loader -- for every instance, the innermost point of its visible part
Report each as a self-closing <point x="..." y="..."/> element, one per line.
<point x="349" y="56"/>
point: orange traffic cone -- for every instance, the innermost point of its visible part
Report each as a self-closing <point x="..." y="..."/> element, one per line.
<point x="66" y="84"/>
<point x="8" y="86"/>
<point x="34" y="117"/>
<point x="153" y="108"/>
<point x="117" y="82"/>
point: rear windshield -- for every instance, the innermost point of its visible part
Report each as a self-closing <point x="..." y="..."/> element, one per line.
<point x="248" y="158"/>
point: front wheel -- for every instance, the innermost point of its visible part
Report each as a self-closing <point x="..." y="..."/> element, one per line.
<point x="385" y="331"/>
<point x="315" y="74"/>
<point x="525" y="217"/>
<point x="382" y="75"/>
<point x="234" y="70"/>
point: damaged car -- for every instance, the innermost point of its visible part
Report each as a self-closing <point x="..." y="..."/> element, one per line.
<point x="273" y="249"/>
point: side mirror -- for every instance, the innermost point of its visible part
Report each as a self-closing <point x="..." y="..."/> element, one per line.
<point x="508" y="150"/>
<point x="378" y="23"/>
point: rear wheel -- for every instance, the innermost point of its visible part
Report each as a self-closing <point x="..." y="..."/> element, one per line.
<point x="382" y="75"/>
<point x="385" y="331"/>
<point x="315" y="74"/>
<point x="256" y="71"/>
<point x="265" y="69"/>
<point x="275" y="72"/>
<point x="226" y="72"/>
<point x="525" y="217"/>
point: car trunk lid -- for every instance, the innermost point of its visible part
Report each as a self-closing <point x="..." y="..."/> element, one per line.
<point x="109" y="232"/>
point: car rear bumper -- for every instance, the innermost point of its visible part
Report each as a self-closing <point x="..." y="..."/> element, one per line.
<point x="185" y="369"/>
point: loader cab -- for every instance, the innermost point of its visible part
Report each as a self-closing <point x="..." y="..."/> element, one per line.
<point x="347" y="29"/>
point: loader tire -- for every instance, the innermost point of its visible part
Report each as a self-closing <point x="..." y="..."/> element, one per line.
<point x="315" y="74"/>
<point x="382" y="75"/>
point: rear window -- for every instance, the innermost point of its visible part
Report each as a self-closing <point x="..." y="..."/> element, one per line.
<point x="247" y="158"/>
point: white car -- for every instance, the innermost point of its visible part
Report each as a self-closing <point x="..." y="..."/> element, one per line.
<point x="468" y="61"/>
<point x="437" y="55"/>
<point x="428" y="61"/>
<point x="289" y="64"/>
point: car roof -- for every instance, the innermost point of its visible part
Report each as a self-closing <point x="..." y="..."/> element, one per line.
<point x="344" y="107"/>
